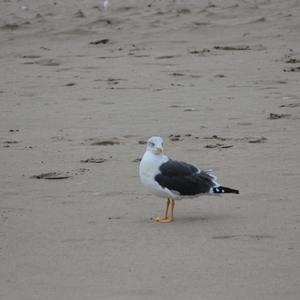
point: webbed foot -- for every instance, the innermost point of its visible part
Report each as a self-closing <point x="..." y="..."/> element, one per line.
<point x="163" y="219"/>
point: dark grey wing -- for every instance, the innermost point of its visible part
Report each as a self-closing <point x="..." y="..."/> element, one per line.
<point x="184" y="178"/>
<point x="177" y="168"/>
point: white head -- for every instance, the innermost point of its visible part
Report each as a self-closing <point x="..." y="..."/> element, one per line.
<point x="155" y="145"/>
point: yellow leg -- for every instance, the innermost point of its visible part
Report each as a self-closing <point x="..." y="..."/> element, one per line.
<point x="167" y="208"/>
<point x="166" y="218"/>
<point x="172" y="209"/>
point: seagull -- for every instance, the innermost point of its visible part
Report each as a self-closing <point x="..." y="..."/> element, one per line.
<point x="174" y="180"/>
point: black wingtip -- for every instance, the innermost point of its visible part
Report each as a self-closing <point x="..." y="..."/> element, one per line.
<point x="223" y="189"/>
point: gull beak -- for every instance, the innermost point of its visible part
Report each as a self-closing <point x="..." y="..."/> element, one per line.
<point x="160" y="149"/>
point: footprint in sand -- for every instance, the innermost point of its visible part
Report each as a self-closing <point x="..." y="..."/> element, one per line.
<point x="104" y="142"/>
<point x="56" y="175"/>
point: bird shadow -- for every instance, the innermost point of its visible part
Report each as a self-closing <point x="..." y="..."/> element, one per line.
<point x="193" y="219"/>
<point x="203" y="218"/>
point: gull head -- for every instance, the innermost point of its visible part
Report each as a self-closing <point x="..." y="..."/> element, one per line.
<point x="155" y="145"/>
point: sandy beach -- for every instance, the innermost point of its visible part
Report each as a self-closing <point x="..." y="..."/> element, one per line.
<point x="82" y="87"/>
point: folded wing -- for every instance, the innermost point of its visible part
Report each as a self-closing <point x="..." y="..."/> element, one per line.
<point x="185" y="179"/>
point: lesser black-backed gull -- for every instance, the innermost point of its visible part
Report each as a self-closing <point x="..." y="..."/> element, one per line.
<point x="173" y="179"/>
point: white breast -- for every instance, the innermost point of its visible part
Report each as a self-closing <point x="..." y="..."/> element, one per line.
<point x="149" y="168"/>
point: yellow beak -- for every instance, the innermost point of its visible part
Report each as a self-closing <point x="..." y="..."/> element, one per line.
<point x="160" y="149"/>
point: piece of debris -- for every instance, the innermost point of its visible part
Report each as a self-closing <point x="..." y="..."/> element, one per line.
<point x="52" y="176"/>
<point x="137" y="160"/>
<point x="11" y="142"/>
<point x="292" y="61"/>
<point x="105" y="143"/>
<point x="219" y="76"/>
<point x="294" y="69"/>
<point x="233" y="48"/>
<point x="177" y="74"/>
<point x="200" y="52"/>
<point x="217" y="145"/>
<point x="142" y="142"/>
<point x="190" y="109"/>
<point x="175" y="137"/>
<point x="292" y="105"/>
<point x="94" y="160"/>
<point x="257" y="140"/>
<point x="103" y="41"/>
<point x="216" y="137"/>
<point x="114" y="218"/>
<point x="273" y="116"/>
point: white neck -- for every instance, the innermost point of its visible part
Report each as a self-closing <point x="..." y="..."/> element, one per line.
<point x="150" y="163"/>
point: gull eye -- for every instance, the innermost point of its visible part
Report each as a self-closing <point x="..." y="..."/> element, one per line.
<point x="151" y="144"/>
